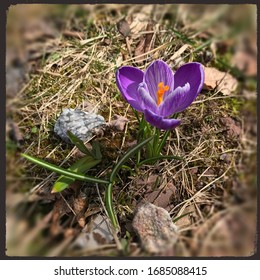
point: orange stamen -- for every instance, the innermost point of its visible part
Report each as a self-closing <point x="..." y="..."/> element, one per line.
<point x="161" y="90"/>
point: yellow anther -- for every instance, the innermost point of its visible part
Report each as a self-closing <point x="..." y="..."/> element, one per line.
<point x="161" y="90"/>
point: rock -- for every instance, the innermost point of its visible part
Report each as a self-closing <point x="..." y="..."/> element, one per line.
<point x="95" y="234"/>
<point x="78" y="122"/>
<point x="155" y="228"/>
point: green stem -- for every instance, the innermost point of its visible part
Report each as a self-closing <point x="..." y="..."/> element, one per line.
<point x="109" y="205"/>
<point x="162" y="142"/>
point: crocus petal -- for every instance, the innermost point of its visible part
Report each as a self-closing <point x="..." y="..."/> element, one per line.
<point x="174" y="102"/>
<point x="158" y="72"/>
<point x="193" y="74"/>
<point x="160" y="122"/>
<point x="128" y="79"/>
<point x="147" y="102"/>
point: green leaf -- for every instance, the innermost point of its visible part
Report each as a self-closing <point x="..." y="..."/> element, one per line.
<point x="162" y="142"/>
<point x="96" y="150"/>
<point x="126" y="156"/>
<point x="63" y="171"/>
<point x="34" y="129"/>
<point x="78" y="143"/>
<point x="153" y="159"/>
<point x="80" y="166"/>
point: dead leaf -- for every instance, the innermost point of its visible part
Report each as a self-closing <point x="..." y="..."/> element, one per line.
<point x="140" y="50"/>
<point x="59" y="210"/>
<point x="96" y="233"/>
<point x="148" y="38"/>
<point x="215" y="79"/>
<point x="79" y="207"/>
<point x="161" y="198"/>
<point x="145" y="44"/>
<point x="245" y="62"/>
<point x="140" y="20"/>
<point x="118" y="123"/>
<point x="123" y="27"/>
<point x="148" y="181"/>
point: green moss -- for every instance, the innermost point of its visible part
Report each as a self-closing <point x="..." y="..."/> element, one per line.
<point x="232" y="106"/>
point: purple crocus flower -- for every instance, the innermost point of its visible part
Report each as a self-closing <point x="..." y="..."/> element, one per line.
<point x="158" y="92"/>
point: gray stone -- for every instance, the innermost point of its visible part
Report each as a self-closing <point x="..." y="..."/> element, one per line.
<point x="78" y="122"/>
<point x="96" y="233"/>
<point x="155" y="228"/>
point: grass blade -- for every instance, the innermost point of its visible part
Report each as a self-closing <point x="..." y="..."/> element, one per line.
<point x="96" y="150"/>
<point x="78" y="143"/>
<point x="63" y="171"/>
<point x="153" y="159"/>
<point x="162" y="142"/>
<point x="80" y="166"/>
<point x="126" y="156"/>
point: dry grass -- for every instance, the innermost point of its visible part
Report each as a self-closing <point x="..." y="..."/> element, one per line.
<point x="215" y="183"/>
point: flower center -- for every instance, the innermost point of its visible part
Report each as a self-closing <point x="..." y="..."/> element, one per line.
<point x="161" y="90"/>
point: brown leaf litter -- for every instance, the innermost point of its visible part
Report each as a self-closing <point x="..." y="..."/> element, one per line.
<point x="96" y="233"/>
<point x="221" y="81"/>
<point x="145" y="44"/>
<point x="118" y="123"/>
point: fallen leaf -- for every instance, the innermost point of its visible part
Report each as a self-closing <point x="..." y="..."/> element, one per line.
<point x="145" y="44"/>
<point x="59" y="210"/>
<point x="140" y="20"/>
<point x="95" y="234"/>
<point x="123" y="27"/>
<point x="245" y="62"/>
<point x="79" y="207"/>
<point x="118" y="123"/>
<point x="161" y="198"/>
<point x="215" y="79"/>
<point x="148" y="181"/>
<point x="139" y="50"/>
<point x="149" y="36"/>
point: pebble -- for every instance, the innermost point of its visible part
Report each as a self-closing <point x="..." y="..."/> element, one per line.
<point x="155" y="228"/>
<point x="78" y="122"/>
